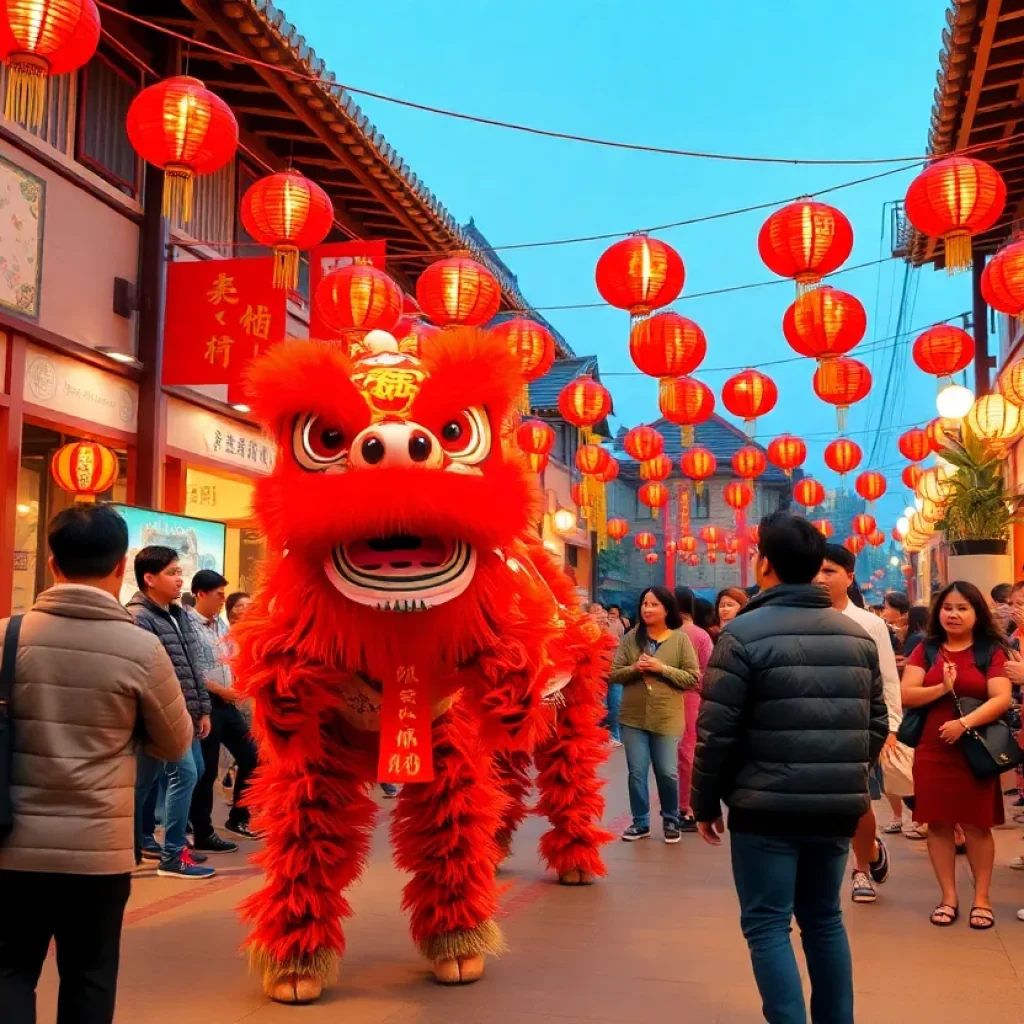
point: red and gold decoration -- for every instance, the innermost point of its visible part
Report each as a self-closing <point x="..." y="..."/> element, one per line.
<point x="1011" y="384"/>
<point x="711" y="557"/>
<point x="184" y="129"/>
<point x="805" y="241"/>
<point x="645" y="540"/>
<point x="686" y="402"/>
<point x="618" y="529"/>
<point x="848" y="381"/>
<point x="667" y="345"/>
<point x="823" y="526"/>
<point x="535" y="437"/>
<point x="580" y="498"/>
<point x="856" y="544"/>
<point x="824" y="323"/>
<point x="698" y="464"/>
<point x="1002" y="282"/>
<point x="538" y="463"/>
<point x="954" y="199"/>
<point x="643" y="443"/>
<point x="749" y="462"/>
<point x="651" y="557"/>
<point x="712" y="536"/>
<point x="532" y="344"/>
<point x="290" y="214"/>
<point x="584" y="402"/>
<point x="654" y="495"/>
<point x="864" y="525"/>
<point x="414" y="333"/>
<point x="748" y="395"/>
<point x="911" y="476"/>
<point x="870" y="485"/>
<point x="458" y="292"/>
<point x="658" y="468"/>
<point x="686" y="545"/>
<point x="640" y="274"/>
<point x="84" y="468"/>
<point x="940" y="431"/>
<point x="592" y="459"/>
<point x="808" y="492"/>
<point x="843" y="456"/>
<point x="40" y="39"/>
<point x="737" y="495"/>
<point x="943" y="350"/>
<point x="914" y="444"/>
<point x="730" y="558"/>
<point x="787" y="452"/>
<point x="358" y="298"/>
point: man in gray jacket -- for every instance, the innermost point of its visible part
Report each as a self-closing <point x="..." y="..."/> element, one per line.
<point x="87" y="686"/>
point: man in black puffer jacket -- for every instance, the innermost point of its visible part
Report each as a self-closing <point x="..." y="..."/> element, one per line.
<point x="791" y="720"/>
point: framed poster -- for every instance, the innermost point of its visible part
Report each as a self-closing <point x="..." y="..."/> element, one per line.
<point x="22" y="207"/>
<point x="199" y="542"/>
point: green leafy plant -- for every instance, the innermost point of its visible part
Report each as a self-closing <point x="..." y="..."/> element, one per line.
<point x="979" y="507"/>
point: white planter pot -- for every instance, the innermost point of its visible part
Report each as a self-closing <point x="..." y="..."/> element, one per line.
<point x="984" y="571"/>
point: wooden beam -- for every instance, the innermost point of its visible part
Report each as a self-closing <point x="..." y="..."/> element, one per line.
<point x="263" y="112"/>
<point x="11" y="423"/>
<point x="238" y="87"/>
<point x="273" y="133"/>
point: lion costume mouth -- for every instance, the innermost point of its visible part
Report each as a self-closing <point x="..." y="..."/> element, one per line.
<point x="402" y="572"/>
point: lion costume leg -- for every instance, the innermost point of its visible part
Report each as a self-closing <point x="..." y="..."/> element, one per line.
<point x="318" y="820"/>
<point x="445" y="833"/>
<point x="512" y="771"/>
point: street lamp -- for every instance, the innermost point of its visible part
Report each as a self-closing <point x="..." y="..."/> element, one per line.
<point x="954" y="401"/>
<point x="564" y="520"/>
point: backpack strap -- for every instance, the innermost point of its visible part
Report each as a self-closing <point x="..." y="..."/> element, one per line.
<point x="931" y="653"/>
<point x="983" y="656"/>
<point x="7" y="665"/>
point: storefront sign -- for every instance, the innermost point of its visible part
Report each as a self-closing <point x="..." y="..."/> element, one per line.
<point x="220" y="315"/>
<point x="218" y="438"/>
<point x="64" y="385"/>
<point x="326" y="258"/>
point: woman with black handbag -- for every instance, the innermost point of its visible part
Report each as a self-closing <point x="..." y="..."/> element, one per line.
<point x="959" y="675"/>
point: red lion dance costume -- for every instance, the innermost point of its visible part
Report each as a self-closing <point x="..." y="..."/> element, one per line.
<point x="410" y="628"/>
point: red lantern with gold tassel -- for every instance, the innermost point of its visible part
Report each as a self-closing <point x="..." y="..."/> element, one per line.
<point x="667" y="345"/>
<point x="748" y="395"/>
<point x="538" y="463"/>
<point x="687" y="545"/>
<point x="847" y="381"/>
<point x="654" y="495"/>
<point x="1002" y="281"/>
<point x="943" y="350"/>
<point x="911" y="477"/>
<point x="618" y="529"/>
<point x="85" y="469"/>
<point x="458" y="292"/>
<point x="712" y="535"/>
<point x="584" y="402"/>
<point x="592" y="459"/>
<point x="643" y="443"/>
<point x="876" y="539"/>
<point x="805" y="240"/>
<point x="657" y="468"/>
<point x="870" y="485"/>
<point x="749" y="462"/>
<point x="864" y="525"/>
<point x="914" y="444"/>
<point x="855" y="544"/>
<point x="824" y="527"/>
<point x="737" y="495"/>
<point x="787" y="452"/>
<point x="698" y="464"/>
<point x="843" y="456"/>
<point x="686" y="402"/>
<point x="823" y="324"/>
<point x="808" y="492"/>
<point x="640" y="274"/>
<point x="535" y="437"/>
<point x="645" y="541"/>
<point x="530" y="342"/>
<point x="359" y="297"/>
<point x="580" y="498"/>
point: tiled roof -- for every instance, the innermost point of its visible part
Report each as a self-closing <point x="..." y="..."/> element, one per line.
<point x="719" y="436"/>
<point x="544" y="392"/>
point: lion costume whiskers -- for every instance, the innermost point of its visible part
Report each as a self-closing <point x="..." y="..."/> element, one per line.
<point x="410" y="627"/>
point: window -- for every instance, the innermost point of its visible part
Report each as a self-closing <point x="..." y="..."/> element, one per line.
<point x="213" y="209"/>
<point x="57" y="117"/>
<point x="105" y="95"/>
<point x="700" y="505"/>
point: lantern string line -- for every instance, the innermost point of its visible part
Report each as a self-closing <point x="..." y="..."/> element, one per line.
<point x="334" y="85"/>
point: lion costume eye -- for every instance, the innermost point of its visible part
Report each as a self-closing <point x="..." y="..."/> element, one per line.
<point x="466" y="438"/>
<point x="318" y="444"/>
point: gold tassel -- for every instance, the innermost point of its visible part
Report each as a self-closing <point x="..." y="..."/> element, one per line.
<point x="286" y="267"/>
<point x="958" y="251"/>
<point x="841" y="417"/>
<point x="25" y="101"/>
<point x="179" y="183"/>
<point x="686" y="434"/>
<point x="806" y="283"/>
<point x="524" y="400"/>
<point x="699" y="487"/>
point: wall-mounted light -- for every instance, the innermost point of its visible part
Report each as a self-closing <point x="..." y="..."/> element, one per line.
<point x="116" y="354"/>
<point x="240" y="407"/>
<point x="954" y="401"/>
<point x="564" y="520"/>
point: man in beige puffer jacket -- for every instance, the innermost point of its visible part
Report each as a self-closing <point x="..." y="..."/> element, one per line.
<point x="89" y="687"/>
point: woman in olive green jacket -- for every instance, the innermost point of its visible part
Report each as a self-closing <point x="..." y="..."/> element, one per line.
<point x="655" y="663"/>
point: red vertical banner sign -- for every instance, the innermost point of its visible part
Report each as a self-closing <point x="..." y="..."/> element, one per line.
<point x="333" y="256"/>
<point x="670" y="535"/>
<point x="743" y="536"/>
<point x="406" y="743"/>
<point x="221" y="314"/>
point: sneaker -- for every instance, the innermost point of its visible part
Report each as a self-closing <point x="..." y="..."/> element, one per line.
<point x="893" y="828"/>
<point x="634" y="832"/>
<point x="184" y="866"/>
<point x="672" y="833"/>
<point x="152" y="850"/>
<point x="241" y="829"/>
<point x="880" y="868"/>
<point x="213" y="844"/>
<point x="615" y="743"/>
<point x="687" y="823"/>
<point x="863" y="889"/>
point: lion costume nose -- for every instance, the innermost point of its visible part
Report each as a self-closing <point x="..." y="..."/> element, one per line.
<point x="396" y="446"/>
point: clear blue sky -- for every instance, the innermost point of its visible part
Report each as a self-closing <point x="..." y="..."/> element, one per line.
<point x="850" y="78"/>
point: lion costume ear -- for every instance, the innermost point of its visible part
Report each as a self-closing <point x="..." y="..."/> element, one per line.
<point x="297" y="377"/>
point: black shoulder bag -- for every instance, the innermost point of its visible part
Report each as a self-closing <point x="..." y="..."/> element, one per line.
<point x="6" y="724"/>
<point x="990" y="749"/>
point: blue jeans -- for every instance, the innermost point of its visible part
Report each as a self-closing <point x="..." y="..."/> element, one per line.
<point x="777" y="878"/>
<point x="181" y="781"/>
<point x="613" y="702"/>
<point x="643" y="749"/>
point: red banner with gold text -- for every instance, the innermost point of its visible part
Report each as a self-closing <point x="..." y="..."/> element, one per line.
<point x="406" y="747"/>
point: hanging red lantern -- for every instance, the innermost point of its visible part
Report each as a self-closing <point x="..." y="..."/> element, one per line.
<point x="667" y="345"/>
<point x="640" y="274"/>
<point x="359" y="297"/>
<point x="823" y="526"/>
<point x="535" y="437"/>
<point x="808" y="492"/>
<point x="651" y="557"/>
<point x="654" y="495"/>
<point x="824" y="323"/>
<point x="530" y="342"/>
<point x="911" y="476"/>
<point x="1002" y="281"/>
<point x="1011" y="384"/>
<point x="896" y="535"/>
<point x="458" y="292"/>
<point x="84" y="468"/>
<point x="40" y="39"/>
<point x="748" y="395"/>
<point x="848" y="381"/>
<point x="712" y="536"/>
<point x="414" y="334"/>
<point x="617" y="529"/>
<point x="687" y="545"/>
<point x="580" y="498"/>
<point x="643" y="443"/>
<point x="943" y="350"/>
<point x="645" y="541"/>
<point x="698" y="464"/>
<point x="749" y="462"/>
<point x="731" y="544"/>
<point x="805" y="241"/>
<point x="712" y="557"/>
<point x="940" y="432"/>
<point x="854" y="544"/>
<point x="686" y="402"/>
<point x="289" y="213"/>
<point x="737" y="495"/>
<point x="876" y="539"/>
<point x="657" y="468"/>
<point x="537" y="463"/>
<point x="592" y="459"/>
<point x="864" y="525"/>
<point x="843" y="456"/>
<point x="670" y="547"/>
<point x="787" y="452"/>
<point x="953" y="199"/>
<point x="609" y="473"/>
<point x="914" y="444"/>
<point x="870" y="485"/>
<point x="181" y="127"/>
<point x="584" y="403"/>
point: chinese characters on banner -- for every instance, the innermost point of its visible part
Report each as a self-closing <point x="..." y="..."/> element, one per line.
<point x="406" y="748"/>
<point x="221" y="314"/>
<point x="333" y="256"/>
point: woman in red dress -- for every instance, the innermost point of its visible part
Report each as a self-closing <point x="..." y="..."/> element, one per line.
<point x="961" y="635"/>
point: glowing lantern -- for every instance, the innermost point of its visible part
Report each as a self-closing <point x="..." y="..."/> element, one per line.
<point x="458" y="292"/>
<point x="698" y="464"/>
<point x="640" y="274"/>
<point x="932" y="487"/>
<point x="940" y="431"/>
<point x="712" y="536"/>
<point x="896" y="535"/>
<point x="40" y="39"/>
<point x="731" y="545"/>
<point x="181" y="127"/>
<point x="289" y="213"/>
<point x="914" y="444"/>
<point x="824" y="323"/>
<point x="531" y="343"/>
<point x="645" y="541"/>
<point x="931" y="512"/>
<point x="737" y="495"/>
<point x="617" y="529"/>
<point x="995" y="420"/>
<point x="686" y="402"/>
<point x="1002" y="282"/>
<point x="712" y="557"/>
<point x="808" y="492"/>
<point x="584" y="403"/>
<point x="953" y="199"/>
<point x="657" y="468"/>
<point x="730" y="559"/>
<point x="651" y="557"/>
<point x="592" y="459"/>
<point x="538" y="463"/>
<point x="84" y="468"/>
<point x="359" y="297"/>
<point x="843" y="456"/>
<point x="823" y="526"/>
<point x="847" y="381"/>
<point x="1011" y="384"/>
<point x="564" y="520"/>
<point x="749" y="394"/>
<point x="667" y="345"/>
<point x="787" y="452"/>
<point x="643" y="443"/>
<point x="580" y="498"/>
<point x="654" y="495"/>
<point x="749" y="462"/>
<point x="670" y="547"/>
<point x="805" y="241"/>
<point x="535" y="437"/>
<point x="870" y="485"/>
<point x="609" y="473"/>
<point x="855" y="544"/>
<point x="943" y="350"/>
<point x="413" y="334"/>
<point x="687" y="545"/>
<point x="864" y="525"/>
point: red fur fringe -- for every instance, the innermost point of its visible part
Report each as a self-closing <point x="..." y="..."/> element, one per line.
<point x="512" y="771"/>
